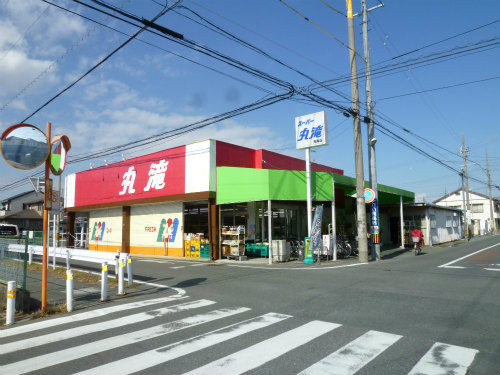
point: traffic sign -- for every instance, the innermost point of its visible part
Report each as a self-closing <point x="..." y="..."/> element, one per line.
<point x="369" y="195"/>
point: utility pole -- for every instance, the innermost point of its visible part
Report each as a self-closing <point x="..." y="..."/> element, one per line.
<point x="358" y="149"/>
<point x="374" y="217"/>
<point x="464" y="210"/>
<point x="464" y="151"/>
<point x="492" y="218"/>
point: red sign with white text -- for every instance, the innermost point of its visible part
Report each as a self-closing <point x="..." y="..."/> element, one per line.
<point x="148" y="176"/>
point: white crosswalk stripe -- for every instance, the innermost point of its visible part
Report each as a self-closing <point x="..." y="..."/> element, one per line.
<point x="161" y="355"/>
<point x="353" y="356"/>
<point x="444" y="359"/>
<point x="85" y="316"/>
<point x="95" y="347"/>
<point x="258" y="354"/>
<point x="83" y="330"/>
<point x="262" y="341"/>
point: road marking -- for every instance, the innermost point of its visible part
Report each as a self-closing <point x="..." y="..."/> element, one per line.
<point x="154" y="261"/>
<point x="31" y="327"/>
<point x="491" y="269"/>
<point x="297" y="268"/>
<point x="265" y="351"/>
<point x="444" y="359"/>
<point x="177" y="267"/>
<point x="353" y="356"/>
<point x="97" y="327"/>
<point x="167" y="353"/>
<point x="447" y="265"/>
<point x="80" y="351"/>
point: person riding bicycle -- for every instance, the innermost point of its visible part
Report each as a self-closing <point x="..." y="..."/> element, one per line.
<point x="417" y="236"/>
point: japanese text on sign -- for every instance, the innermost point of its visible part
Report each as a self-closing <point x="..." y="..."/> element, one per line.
<point x="156" y="178"/>
<point x="311" y="130"/>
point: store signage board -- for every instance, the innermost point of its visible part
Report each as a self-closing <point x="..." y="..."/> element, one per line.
<point x="311" y="130"/>
<point x="154" y="175"/>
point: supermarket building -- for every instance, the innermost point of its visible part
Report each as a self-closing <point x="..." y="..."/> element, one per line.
<point x="154" y="204"/>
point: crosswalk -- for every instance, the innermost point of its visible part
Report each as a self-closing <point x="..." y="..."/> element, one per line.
<point x="197" y="336"/>
<point x="172" y="264"/>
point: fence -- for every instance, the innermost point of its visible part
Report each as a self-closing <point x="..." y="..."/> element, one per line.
<point x="13" y="264"/>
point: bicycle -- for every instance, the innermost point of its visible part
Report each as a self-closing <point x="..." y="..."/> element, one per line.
<point x="343" y="247"/>
<point x="417" y="246"/>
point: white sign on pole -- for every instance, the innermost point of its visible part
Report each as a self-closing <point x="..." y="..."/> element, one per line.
<point x="311" y="130"/>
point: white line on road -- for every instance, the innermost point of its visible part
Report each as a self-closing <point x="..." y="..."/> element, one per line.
<point x="444" y="359"/>
<point x="447" y="265"/>
<point x="97" y="327"/>
<point x="265" y="351"/>
<point x="80" y="351"/>
<point x="353" y="356"/>
<point x="31" y="327"/>
<point x="298" y="268"/>
<point x="158" y="356"/>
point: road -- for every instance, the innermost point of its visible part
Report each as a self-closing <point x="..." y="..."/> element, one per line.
<point x="436" y="313"/>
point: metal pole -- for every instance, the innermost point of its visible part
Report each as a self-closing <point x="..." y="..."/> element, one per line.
<point x="308" y="191"/>
<point x="45" y="223"/>
<point x="58" y="215"/>
<point x="358" y="149"/>
<point x="25" y="268"/>
<point x="402" y="222"/>
<point x="371" y="136"/>
<point x="104" y="281"/>
<point x="463" y="204"/>
<point x="269" y="229"/>
<point x="68" y="266"/>
<point x="54" y="242"/>
<point x="492" y="218"/>
<point x="11" y="302"/>
<point x="120" y="277"/>
<point x="469" y="210"/>
<point x="69" y="290"/>
<point x="334" y="222"/>
<point x="129" y="271"/>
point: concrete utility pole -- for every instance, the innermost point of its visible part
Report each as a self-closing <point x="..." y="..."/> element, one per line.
<point x="374" y="219"/>
<point x="358" y="149"/>
<point x="464" y="210"/>
<point x="464" y="153"/>
<point x="492" y="218"/>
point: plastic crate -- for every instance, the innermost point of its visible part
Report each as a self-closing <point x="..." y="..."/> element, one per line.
<point x="250" y="249"/>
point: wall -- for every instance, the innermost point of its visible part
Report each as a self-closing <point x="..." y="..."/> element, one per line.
<point x="444" y="226"/>
<point x="150" y="224"/>
<point x="106" y="225"/>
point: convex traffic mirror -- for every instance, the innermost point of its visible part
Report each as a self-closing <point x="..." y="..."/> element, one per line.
<point x="24" y="146"/>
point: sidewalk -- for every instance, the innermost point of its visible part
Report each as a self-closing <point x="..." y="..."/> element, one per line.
<point x="86" y="291"/>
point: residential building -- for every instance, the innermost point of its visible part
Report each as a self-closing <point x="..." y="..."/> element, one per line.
<point x="481" y="220"/>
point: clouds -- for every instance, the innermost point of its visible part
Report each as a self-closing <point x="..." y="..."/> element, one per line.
<point x="32" y="36"/>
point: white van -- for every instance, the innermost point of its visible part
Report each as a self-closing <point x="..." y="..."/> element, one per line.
<point x="9" y="231"/>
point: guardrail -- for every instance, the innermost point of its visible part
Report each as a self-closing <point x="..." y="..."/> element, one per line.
<point x="63" y="252"/>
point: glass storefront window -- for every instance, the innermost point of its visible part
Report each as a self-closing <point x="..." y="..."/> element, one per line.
<point x="196" y="218"/>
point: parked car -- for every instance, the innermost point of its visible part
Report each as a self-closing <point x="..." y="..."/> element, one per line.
<point x="9" y="231"/>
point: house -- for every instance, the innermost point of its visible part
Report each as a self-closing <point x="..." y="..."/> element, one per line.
<point x="439" y="224"/>
<point x="481" y="208"/>
<point x="24" y="210"/>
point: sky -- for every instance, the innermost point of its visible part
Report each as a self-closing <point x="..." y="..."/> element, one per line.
<point x="435" y="77"/>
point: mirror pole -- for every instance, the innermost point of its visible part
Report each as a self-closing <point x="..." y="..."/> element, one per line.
<point x="45" y="227"/>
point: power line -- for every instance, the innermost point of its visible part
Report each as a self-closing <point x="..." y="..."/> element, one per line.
<point x="439" y="88"/>
<point x="446" y="39"/>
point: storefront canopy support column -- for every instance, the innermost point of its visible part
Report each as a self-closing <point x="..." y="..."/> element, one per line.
<point x="269" y="230"/>
<point x="402" y="222"/>
<point x="334" y="223"/>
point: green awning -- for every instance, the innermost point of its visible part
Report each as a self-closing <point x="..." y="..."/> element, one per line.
<point x="248" y="184"/>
